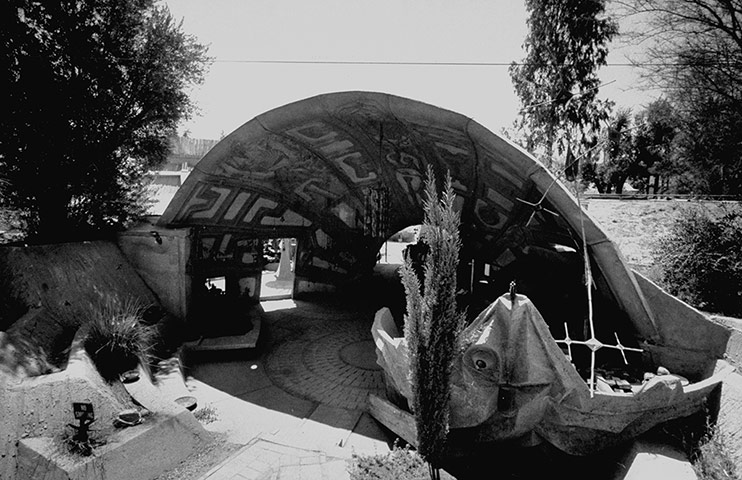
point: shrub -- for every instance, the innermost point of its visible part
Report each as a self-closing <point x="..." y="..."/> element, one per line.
<point x="206" y="414"/>
<point x="700" y="260"/>
<point x="116" y="338"/>
<point x="712" y="459"/>
<point x="81" y="448"/>
<point x="401" y="463"/>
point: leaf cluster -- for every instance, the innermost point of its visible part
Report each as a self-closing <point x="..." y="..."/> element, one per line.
<point x="694" y="53"/>
<point x="401" y="463"/>
<point x="557" y="81"/>
<point x="701" y="260"/>
<point x="92" y="91"/>
<point x="636" y="147"/>
<point x="432" y="321"/>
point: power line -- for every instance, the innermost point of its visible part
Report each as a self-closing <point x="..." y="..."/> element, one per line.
<point x="449" y="64"/>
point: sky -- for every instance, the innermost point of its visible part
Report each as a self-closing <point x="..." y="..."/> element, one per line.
<point x="240" y="32"/>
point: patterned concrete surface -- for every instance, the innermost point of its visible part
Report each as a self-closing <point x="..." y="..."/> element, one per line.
<point x="297" y="406"/>
<point x="332" y="366"/>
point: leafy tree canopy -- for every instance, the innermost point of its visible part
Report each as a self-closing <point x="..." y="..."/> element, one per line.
<point x="635" y="148"/>
<point x="694" y="53"/>
<point x="557" y="81"/>
<point x="617" y="159"/>
<point x="655" y="132"/>
<point x="92" y="90"/>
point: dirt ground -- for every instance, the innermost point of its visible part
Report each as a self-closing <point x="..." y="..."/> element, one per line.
<point x="635" y="225"/>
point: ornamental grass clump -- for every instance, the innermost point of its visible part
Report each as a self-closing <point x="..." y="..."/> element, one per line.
<point x="116" y="338"/>
<point x="712" y="458"/>
<point x="433" y="322"/>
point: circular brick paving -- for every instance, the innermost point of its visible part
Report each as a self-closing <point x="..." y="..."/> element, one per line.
<point x="360" y="354"/>
<point x="334" y="364"/>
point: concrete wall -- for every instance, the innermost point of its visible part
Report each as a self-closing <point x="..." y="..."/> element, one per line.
<point x="61" y="285"/>
<point x="35" y="412"/>
<point x="69" y="280"/>
<point x="42" y="406"/>
<point x="161" y="264"/>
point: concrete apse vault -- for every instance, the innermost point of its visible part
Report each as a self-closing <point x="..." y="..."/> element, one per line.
<point x="342" y="172"/>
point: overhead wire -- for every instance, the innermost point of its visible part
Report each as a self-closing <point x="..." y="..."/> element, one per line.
<point x="449" y="64"/>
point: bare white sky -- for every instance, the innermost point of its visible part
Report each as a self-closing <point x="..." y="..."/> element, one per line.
<point x="452" y="31"/>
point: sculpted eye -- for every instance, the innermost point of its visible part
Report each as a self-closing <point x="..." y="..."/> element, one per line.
<point x="484" y="362"/>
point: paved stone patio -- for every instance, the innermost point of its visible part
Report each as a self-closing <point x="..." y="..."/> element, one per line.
<point x="297" y="403"/>
<point x="333" y="366"/>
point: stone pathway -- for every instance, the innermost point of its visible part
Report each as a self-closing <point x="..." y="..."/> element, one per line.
<point x="333" y="366"/>
<point x="298" y="408"/>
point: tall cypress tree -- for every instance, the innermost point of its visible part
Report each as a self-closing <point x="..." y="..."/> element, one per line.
<point x="433" y="322"/>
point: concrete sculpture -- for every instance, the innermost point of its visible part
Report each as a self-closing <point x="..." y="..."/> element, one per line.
<point x="512" y="382"/>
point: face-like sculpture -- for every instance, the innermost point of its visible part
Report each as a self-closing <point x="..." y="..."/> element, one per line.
<point x="512" y="383"/>
<point x="508" y="370"/>
<point x="475" y="385"/>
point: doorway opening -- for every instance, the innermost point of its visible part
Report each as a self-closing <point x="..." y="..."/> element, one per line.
<point x="277" y="279"/>
<point x="392" y="251"/>
<point x="217" y="285"/>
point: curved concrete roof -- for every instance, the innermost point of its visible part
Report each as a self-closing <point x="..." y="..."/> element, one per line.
<point x="344" y="171"/>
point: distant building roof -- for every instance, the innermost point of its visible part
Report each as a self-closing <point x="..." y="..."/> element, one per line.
<point x="191" y="147"/>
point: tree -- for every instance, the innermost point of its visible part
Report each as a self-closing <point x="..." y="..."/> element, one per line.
<point x="92" y="92"/>
<point x="710" y="144"/>
<point x="432" y="321"/>
<point x="557" y="81"/>
<point x="618" y="159"/>
<point x="655" y="131"/>
<point x="635" y="149"/>
<point x="695" y="55"/>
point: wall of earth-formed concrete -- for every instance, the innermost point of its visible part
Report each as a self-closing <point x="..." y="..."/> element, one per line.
<point x="35" y="413"/>
<point x="60" y="284"/>
<point x="160" y="257"/>
<point x="42" y="406"/>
